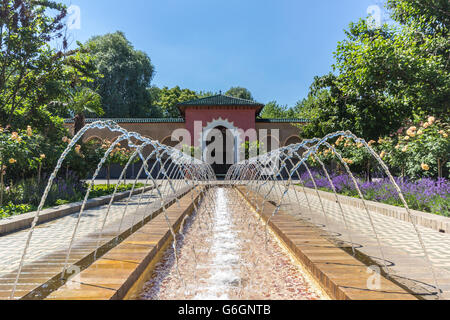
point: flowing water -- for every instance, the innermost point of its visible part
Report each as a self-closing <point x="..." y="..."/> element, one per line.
<point x="225" y="256"/>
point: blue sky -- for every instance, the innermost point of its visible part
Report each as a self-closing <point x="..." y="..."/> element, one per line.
<point x="272" y="47"/>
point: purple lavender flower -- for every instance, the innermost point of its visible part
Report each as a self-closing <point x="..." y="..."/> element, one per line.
<point x="425" y="194"/>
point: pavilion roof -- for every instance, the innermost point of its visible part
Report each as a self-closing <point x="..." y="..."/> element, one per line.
<point x="221" y="100"/>
<point x="132" y="120"/>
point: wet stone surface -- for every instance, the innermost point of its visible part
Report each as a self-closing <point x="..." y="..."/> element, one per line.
<point x="225" y="252"/>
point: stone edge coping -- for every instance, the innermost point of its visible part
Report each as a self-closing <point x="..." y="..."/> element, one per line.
<point x="424" y="219"/>
<point x="116" y="274"/>
<point x="340" y="275"/>
<point x="24" y="221"/>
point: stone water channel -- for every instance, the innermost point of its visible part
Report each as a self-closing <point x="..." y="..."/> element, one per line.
<point x="223" y="253"/>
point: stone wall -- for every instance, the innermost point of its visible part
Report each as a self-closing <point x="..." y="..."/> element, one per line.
<point x="288" y="133"/>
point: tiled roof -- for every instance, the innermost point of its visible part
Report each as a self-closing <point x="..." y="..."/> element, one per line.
<point x="220" y="100"/>
<point x="141" y="120"/>
<point x="282" y="120"/>
<point x="180" y="120"/>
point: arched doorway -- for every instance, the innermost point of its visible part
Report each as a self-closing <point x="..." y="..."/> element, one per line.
<point x="220" y="150"/>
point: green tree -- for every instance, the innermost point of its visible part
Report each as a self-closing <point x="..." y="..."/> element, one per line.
<point x="167" y="99"/>
<point x="127" y="74"/>
<point x="25" y="30"/>
<point x="80" y="101"/>
<point x="431" y="16"/>
<point x="272" y="110"/>
<point x="33" y="73"/>
<point x="421" y="148"/>
<point x="155" y="110"/>
<point x="321" y="111"/>
<point x="239" y="92"/>
<point x="382" y="78"/>
<point x="206" y="94"/>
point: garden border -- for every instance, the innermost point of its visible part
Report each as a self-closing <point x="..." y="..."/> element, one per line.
<point x="424" y="219"/>
<point x="24" y="221"/>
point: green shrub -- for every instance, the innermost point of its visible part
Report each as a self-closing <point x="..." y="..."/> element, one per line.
<point x="103" y="189"/>
<point x="26" y="196"/>
<point x="14" y="210"/>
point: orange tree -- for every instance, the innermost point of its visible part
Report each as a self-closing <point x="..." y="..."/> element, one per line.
<point x="356" y="156"/>
<point x="420" y="149"/>
<point x="21" y="155"/>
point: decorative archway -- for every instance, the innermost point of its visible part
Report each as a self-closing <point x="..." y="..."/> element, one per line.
<point x="217" y="123"/>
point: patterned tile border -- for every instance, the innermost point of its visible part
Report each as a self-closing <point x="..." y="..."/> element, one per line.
<point x="428" y="220"/>
<point x="24" y="221"/>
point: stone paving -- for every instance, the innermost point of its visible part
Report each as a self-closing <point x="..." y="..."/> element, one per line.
<point x="399" y="241"/>
<point x="55" y="235"/>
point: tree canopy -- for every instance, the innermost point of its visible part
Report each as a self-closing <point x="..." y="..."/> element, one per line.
<point x="127" y="74"/>
<point x="34" y="74"/>
<point x="239" y="92"/>
<point x="167" y="99"/>
<point x="431" y="16"/>
<point x="164" y="101"/>
<point x="386" y="76"/>
<point x="273" y="110"/>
